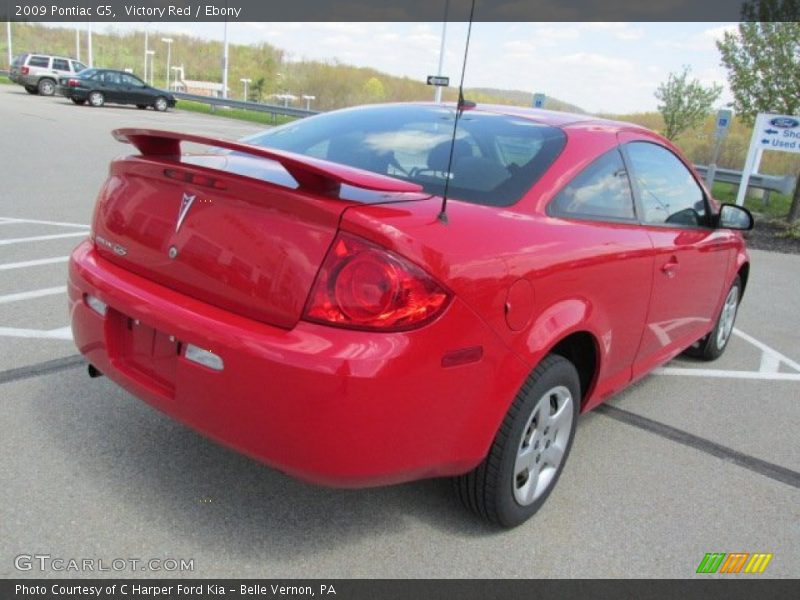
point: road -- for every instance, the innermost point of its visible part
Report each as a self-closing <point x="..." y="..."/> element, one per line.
<point x="696" y="458"/>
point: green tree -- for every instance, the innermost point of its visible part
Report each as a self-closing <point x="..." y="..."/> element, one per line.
<point x="373" y="90"/>
<point x="257" y="90"/>
<point x="684" y="103"/>
<point x="763" y="63"/>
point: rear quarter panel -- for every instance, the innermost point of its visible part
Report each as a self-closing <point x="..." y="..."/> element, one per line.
<point x="583" y="276"/>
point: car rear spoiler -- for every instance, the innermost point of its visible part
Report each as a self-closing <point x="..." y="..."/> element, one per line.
<point x="312" y="174"/>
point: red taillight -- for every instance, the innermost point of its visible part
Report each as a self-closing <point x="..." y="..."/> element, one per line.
<point x="364" y="286"/>
<point x="73" y="83"/>
<point x="195" y="178"/>
<point x="24" y="70"/>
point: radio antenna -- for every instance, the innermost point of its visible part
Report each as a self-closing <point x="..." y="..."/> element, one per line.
<point x="459" y="110"/>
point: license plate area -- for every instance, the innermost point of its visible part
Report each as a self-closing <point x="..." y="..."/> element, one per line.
<point x="153" y="353"/>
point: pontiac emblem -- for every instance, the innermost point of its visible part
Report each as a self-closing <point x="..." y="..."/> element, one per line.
<point x="186" y="204"/>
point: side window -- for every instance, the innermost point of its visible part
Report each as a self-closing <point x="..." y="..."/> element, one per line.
<point x="668" y="193"/>
<point x="59" y="64"/>
<point x="131" y="80"/>
<point x="76" y="66"/>
<point x="601" y="191"/>
<point x="110" y="77"/>
<point x="39" y="61"/>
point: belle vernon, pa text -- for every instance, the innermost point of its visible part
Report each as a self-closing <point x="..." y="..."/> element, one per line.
<point x="172" y="591"/>
<point x="132" y="10"/>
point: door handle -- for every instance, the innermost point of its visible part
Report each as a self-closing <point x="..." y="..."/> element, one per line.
<point x="670" y="267"/>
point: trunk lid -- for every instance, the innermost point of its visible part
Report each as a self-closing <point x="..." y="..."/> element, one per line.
<point x="245" y="231"/>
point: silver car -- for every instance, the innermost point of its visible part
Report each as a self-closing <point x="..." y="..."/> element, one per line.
<point x="38" y="73"/>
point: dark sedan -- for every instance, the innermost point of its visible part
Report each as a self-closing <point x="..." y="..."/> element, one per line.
<point x="98" y="86"/>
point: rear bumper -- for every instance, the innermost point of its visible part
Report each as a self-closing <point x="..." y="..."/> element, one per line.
<point x="69" y="92"/>
<point x="332" y="406"/>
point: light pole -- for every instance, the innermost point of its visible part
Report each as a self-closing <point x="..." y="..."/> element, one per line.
<point x="438" y="95"/>
<point x="175" y="79"/>
<point x="225" y="60"/>
<point x="245" y="81"/>
<point x="8" y="35"/>
<point x="308" y="100"/>
<point x="89" y="46"/>
<point x="77" y="43"/>
<point x="146" y="50"/>
<point x="168" y="42"/>
<point x="151" y="54"/>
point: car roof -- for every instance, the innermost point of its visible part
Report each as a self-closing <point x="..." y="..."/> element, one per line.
<point x="550" y="117"/>
<point x="26" y="54"/>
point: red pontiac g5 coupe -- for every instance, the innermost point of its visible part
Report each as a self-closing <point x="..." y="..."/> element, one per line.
<point x="301" y="297"/>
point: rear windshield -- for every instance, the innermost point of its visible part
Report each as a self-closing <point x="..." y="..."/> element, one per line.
<point x="496" y="158"/>
<point x="18" y="60"/>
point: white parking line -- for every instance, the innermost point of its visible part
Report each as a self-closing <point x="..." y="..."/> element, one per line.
<point x="62" y="333"/>
<point x="766" y="349"/>
<point x="41" y="238"/>
<point x="32" y="294"/>
<point x="720" y="373"/>
<point x="33" y="263"/>
<point x="36" y="222"/>
<point x="771" y="361"/>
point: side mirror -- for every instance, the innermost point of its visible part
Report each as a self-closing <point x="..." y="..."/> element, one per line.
<point x="732" y="216"/>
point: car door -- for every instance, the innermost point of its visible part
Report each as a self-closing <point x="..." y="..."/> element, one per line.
<point x="610" y="262"/>
<point x="691" y="256"/>
<point x="134" y="90"/>
<point x="110" y="86"/>
<point x="60" y="68"/>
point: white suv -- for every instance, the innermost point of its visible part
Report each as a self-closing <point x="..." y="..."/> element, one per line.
<point x="38" y="73"/>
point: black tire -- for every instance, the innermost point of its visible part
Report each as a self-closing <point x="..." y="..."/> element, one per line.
<point x="46" y="87"/>
<point x="31" y="89"/>
<point x="96" y="99"/>
<point x="78" y="101"/>
<point x="712" y="346"/>
<point x="141" y="106"/>
<point x="491" y="489"/>
<point x="161" y="104"/>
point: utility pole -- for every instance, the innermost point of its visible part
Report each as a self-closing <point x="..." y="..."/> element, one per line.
<point x="245" y="81"/>
<point x="77" y="43"/>
<point x="146" y="50"/>
<point x="438" y="96"/>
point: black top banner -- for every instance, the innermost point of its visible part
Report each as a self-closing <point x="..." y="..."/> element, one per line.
<point x="396" y="10"/>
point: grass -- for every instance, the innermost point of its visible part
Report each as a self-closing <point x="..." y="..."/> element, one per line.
<point x="5" y="80"/>
<point x="234" y="113"/>
<point x="776" y="208"/>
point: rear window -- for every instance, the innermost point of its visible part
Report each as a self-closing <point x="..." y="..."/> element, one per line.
<point x="496" y="158"/>
<point x="77" y="66"/>
<point x="39" y="61"/>
<point x="18" y="60"/>
<point x="59" y="64"/>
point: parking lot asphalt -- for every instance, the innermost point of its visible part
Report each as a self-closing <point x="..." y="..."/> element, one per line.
<point x="696" y="458"/>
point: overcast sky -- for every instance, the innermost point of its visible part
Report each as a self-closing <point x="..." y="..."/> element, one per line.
<point x="601" y="67"/>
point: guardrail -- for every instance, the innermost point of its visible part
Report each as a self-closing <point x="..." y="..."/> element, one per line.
<point x="783" y="184"/>
<point x="273" y="109"/>
<point x="3" y="72"/>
